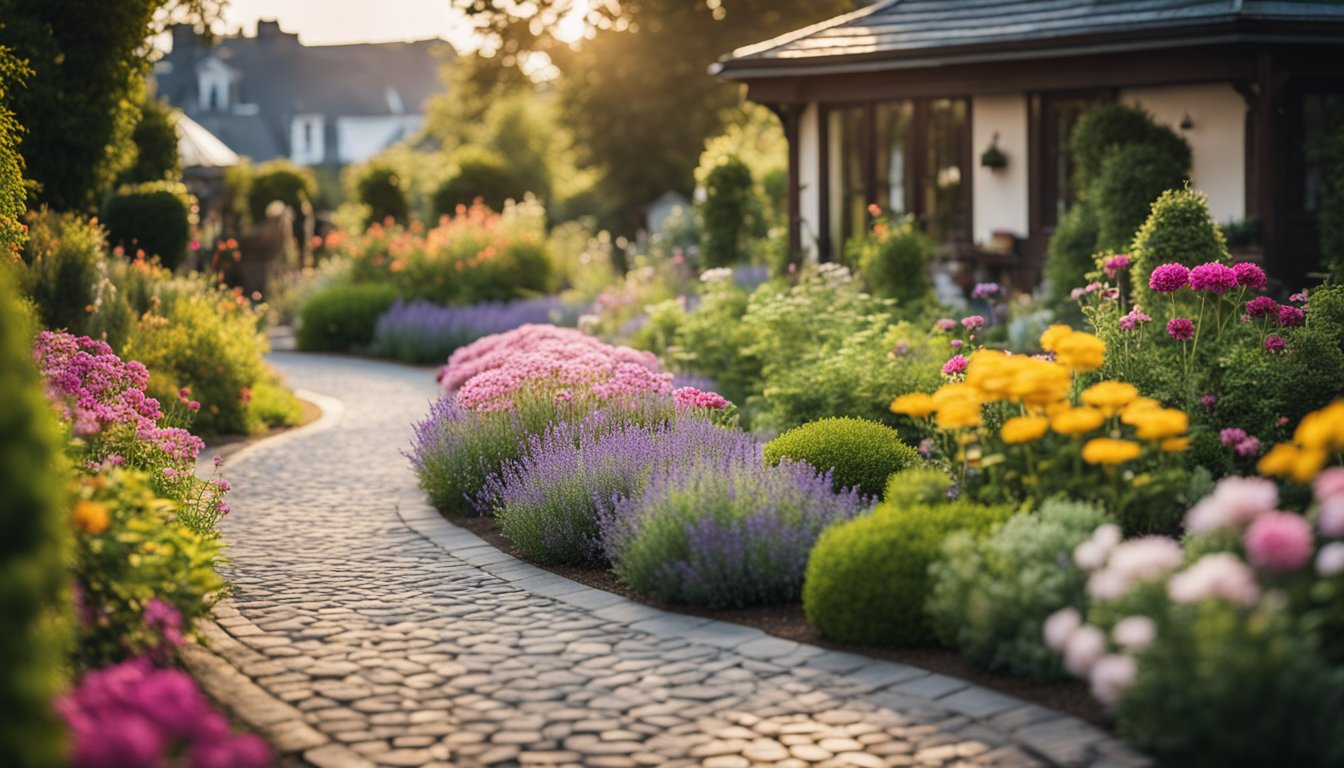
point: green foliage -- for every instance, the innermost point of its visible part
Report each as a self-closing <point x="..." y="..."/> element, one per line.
<point x="867" y="580"/>
<point x="712" y="341"/>
<point x="12" y="193"/>
<point x="1179" y="229"/>
<point x="992" y="595"/>
<point x="754" y="135"/>
<point x="731" y="213"/>
<point x="154" y="217"/>
<point x="918" y="485"/>
<point x="1069" y="256"/>
<point x="1328" y="152"/>
<point x="81" y="103"/>
<point x="1109" y="126"/>
<point x="139" y="551"/>
<point x="894" y="260"/>
<point x="277" y="180"/>
<point x="63" y="256"/>
<point x="380" y="190"/>
<point x="34" y="602"/>
<point x="272" y="403"/>
<point x="1132" y="177"/>
<point x="342" y="317"/>
<point x="155" y="139"/>
<point x="480" y="175"/>
<point x="1229" y="690"/>
<point x="858" y="453"/>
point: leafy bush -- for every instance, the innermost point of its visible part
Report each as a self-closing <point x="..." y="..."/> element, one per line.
<point x="918" y="485"/>
<point x="13" y="196"/>
<point x="894" y="259"/>
<point x="867" y="580"/>
<point x="480" y="175"/>
<point x="278" y="180"/>
<point x="1069" y="256"/>
<point x="342" y="318"/>
<point x="63" y="256"/>
<point x="379" y="188"/>
<point x="723" y="531"/>
<point x="1132" y="177"/>
<point x="154" y="217"/>
<point x="155" y="139"/>
<point x="730" y="211"/>
<point x="990" y="596"/>
<point x="858" y="453"/>
<point x="272" y="403"/>
<point x="1179" y="229"/>
<point x="33" y="571"/>
<point x="1104" y="128"/>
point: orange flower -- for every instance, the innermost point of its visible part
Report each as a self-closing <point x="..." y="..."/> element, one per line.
<point x="91" y="517"/>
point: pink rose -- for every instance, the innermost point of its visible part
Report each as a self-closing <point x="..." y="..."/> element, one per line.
<point x="1060" y="627"/>
<point x="1085" y="646"/>
<point x="1279" y="541"/>
<point x="1111" y="676"/>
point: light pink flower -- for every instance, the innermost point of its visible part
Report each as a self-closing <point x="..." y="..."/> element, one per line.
<point x="1235" y="501"/>
<point x="1330" y="560"/>
<point x="1085" y="646"/>
<point x="1135" y="632"/>
<point x="1329" y="484"/>
<point x="1331" y="517"/>
<point x="1219" y="575"/>
<point x="1060" y="627"/>
<point x="1111" y="676"/>
<point x="1279" y="541"/>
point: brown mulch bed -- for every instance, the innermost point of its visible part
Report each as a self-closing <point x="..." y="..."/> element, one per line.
<point x="788" y="622"/>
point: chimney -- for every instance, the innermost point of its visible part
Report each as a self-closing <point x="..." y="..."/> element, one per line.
<point x="269" y="29"/>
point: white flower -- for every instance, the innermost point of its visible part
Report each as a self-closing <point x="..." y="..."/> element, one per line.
<point x="1145" y="558"/>
<point x="716" y="275"/>
<point x="1217" y="575"/>
<point x="1135" y="632"/>
<point x="1111" y="676"/>
<point x="1085" y="646"/>
<point x="1060" y="627"/>
<point x="1330" y="560"/>
<point x="1235" y="501"/>
<point x="1090" y="555"/>
<point x="1107" y="585"/>
<point x="1108" y="536"/>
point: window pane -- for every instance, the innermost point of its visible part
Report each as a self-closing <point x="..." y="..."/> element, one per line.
<point x="945" y="214"/>
<point x="893" y="147"/>
<point x="849" y="186"/>
<point x="1321" y="113"/>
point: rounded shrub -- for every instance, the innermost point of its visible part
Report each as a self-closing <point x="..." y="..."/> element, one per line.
<point x="895" y="263"/>
<point x="1069" y="255"/>
<point x="380" y="189"/>
<point x="154" y="217"/>
<point x="1178" y="229"/>
<point x="33" y="573"/>
<point x="1131" y="178"/>
<point x="990" y="596"/>
<point x="482" y="175"/>
<point x="279" y="180"/>
<point x="858" y="453"/>
<point x="1108" y="126"/>
<point x="342" y="318"/>
<point x="730" y="211"/>
<point x="867" y="580"/>
<point x="63" y="254"/>
<point x="918" y="485"/>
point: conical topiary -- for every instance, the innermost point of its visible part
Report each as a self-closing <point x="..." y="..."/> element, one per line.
<point x="1180" y="229"/>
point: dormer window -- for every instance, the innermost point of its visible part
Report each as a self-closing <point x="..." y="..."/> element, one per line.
<point x="214" y="81"/>
<point x="307" y="144"/>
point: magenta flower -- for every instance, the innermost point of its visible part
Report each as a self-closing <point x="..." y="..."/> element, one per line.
<point x="1249" y="275"/>
<point x="985" y="290"/>
<point x="1181" y="329"/>
<point x="1213" y="277"/>
<point x="945" y="324"/>
<point x="1275" y="343"/>
<point x="972" y="322"/>
<point x="901" y="349"/>
<point x="1299" y="298"/>
<point x="1248" y="448"/>
<point x="1208" y="401"/>
<point x="956" y="343"/>
<point x="1231" y="436"/>
<point x="1169" y="278"/>
<point x="954" y="366"/>
<point x="1281" y="542"/>
<point x="1291" y="317"/>
<point x="1134" y="319"/>
<point x="692" y="398"/>
<point x="1262" y="306"/>
<point x="1114" y="264"/>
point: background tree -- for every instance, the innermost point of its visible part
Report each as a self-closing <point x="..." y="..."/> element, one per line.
<point x="155" y="142"/>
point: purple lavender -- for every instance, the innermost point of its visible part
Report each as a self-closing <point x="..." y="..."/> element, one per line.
<point x="424" y="333"/>
<point x="722" y="531"/>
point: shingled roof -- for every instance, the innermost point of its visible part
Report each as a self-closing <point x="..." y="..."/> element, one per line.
<point x="894" y="34"/>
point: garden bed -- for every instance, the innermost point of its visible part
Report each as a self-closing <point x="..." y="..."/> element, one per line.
<point x="789" y="623"/>
<point x="227" y="445"/>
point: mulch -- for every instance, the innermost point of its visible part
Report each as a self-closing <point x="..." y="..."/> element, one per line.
<point x="788" y="622"/>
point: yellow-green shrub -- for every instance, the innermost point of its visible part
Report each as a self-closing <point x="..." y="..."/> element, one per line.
<point x="858" y="453"/>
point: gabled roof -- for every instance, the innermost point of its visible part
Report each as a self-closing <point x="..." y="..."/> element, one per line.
<point x="917" y="33"/>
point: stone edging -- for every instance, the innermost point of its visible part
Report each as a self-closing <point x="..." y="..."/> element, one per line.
<point x="1053" y="736"/>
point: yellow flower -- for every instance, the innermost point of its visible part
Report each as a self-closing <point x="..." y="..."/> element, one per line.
<point x="957" y="391"/>
<point x="1159" y="423"/>
<point x="1137" y="406"/>
<point x="1308" y="465"/>
<point x="1052" y="335"/>
<point x="1110" y="396"/>
<point x="1323" y="429"/>
<point x="1080" y="351"/>
<point x="1023" y="429"/>
<point x="1109" y="451"/>
<point x="1077" y="421"/>
<point x="1280" y="460"/>
<point x="916" y="405"/>
<point x="1175" y="444"/>
<point x="959" y="414"/>
<point x="1038" y="383"/>
<point x="91" y="517"/>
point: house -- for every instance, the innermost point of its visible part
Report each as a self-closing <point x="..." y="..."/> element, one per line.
<point x="895" y="103"/>
<point x="270" y="96"/>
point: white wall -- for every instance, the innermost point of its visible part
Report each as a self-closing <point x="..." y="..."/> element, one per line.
<point x="999" y="197"/>
<point x="360" y="138"/>
<point x="1218" y="138"/>
<point x="307" y="139"/>
<point x="809" y="178"/>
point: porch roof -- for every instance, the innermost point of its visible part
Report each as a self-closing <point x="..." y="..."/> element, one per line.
<point x="914" y="34"/>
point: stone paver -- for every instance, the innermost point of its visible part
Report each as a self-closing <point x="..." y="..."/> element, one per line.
<point x="376" y="633"/>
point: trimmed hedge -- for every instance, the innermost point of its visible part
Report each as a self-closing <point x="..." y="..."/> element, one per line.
<point x="154" y="217"/>
<point x="342" y="318"/>
<point x="867" y="580"/>
<point x="1179" y="229"/>
<point x="858" y="453"/>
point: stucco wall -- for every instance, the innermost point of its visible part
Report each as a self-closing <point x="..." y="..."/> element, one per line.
<point x="1000" y="197"/>
<point x="809" y="178"/>
<point x="1218" y="138"/>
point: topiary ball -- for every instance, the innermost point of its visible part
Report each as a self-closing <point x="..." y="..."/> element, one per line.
<point x="867" y="580"/>
<point x="859" y="453"/>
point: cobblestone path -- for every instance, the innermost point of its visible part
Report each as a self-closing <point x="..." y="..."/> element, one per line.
<point x="365" y="630"/>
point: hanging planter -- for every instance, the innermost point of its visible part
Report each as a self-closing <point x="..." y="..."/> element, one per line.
<point x="993" y="158"/>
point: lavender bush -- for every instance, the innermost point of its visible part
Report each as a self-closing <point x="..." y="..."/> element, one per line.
<point x="424" y="333"/>
<point x="548" y="501"/>
<point x="723" y="531"/>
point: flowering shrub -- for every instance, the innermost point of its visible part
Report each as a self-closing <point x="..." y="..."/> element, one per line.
<point x="135" y="716"/>
<point x="723" y="530"/>
<point x="857" y="453"/>
<point x="494" y="352"/>
<point x="893" y="257"/>
<point x="991" y="594"/>
<point x="422" y="333"/>
<point x="548" y="502"/>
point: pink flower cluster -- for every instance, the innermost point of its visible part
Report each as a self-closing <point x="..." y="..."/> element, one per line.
<point x="1213" y="277"/>
<point x="1244" y="445"/>
<point x="1115" y="264"/>
<point x="690" y="398"/>
<point x="1210" y="277"/>
<point x="1134" y="319"/>
<point x="135" y="716"/>
<point x="493" y="351"/>
<point x="955" y="366"/>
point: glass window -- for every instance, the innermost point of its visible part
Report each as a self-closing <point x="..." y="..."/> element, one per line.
<point x="849" y="178"/>
<point x="1062" y="114"/>
<point x="1321" y="114"/>
<point x="944" y="205"/>
<point x="894" y="123"/>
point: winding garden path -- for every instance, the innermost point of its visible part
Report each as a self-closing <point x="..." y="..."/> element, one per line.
<point x="366" y="630"/>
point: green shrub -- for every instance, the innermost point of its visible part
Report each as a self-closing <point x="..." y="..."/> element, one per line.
<point x="155" y="139"/>
<point x="34" y="578"/>
<point x="482" y="175"/>
<point x="731" y="213"/>
<point x="272" y="404"/>
<point x="894" y="260"/>
<point x="867" y="580"/>
<point x="1329" y="153"/>
<point x="379" y="188"/>
<point x="154" y="217"/>
<point x="1069" y="256"/>
<point x="712" y="341"/>
<point x="63" y="256"/>
<point x="991" y="596"/>
<point x="1106" y="127"/>
<point x="1132" y="177"/>
<point x="13" y="196"/>
<point x="277" y="180"/>
<point x="858" y="453"/>
<point x="342" y="318"/>
<point x="918" y="485"/>
<point x="1179" y="229"/>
